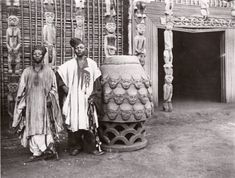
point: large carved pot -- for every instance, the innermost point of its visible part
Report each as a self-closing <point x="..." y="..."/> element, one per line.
<point x="127" y="103"/>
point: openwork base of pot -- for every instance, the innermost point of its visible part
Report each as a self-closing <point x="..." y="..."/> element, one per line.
<point x="122" y="136"/>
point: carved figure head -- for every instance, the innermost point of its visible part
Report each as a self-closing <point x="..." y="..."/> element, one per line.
<point x="168" y="69"/>
<point x="140" y="28"/>
<point x="168" y="79"/>
<point x="13" y="20"/>
<point x="110" y="27"/>
<point x="169" y="25"/>
<point x="12" y="87"/>
<point x="79" y="20"/>
<point x="49" y="17"/>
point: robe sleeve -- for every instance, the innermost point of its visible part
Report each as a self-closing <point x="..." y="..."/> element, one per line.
<point x="54" y="108"/>
<point x="20" y="103"/>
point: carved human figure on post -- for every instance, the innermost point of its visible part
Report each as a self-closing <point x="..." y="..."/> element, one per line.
<point x="110" y="8"/>
<point x="79" y="30"/>
<point x="12" y="88"/>
<point x="204" y="8"/>
<point x="80" y="4"/>
<point x="167" y="92"/>
<point x="140" y="43"/>
<point x="168" y="7"/>
<point x="110" y="39"/>
<point x="49" y="39"/>
<point x="139" y="8"/>
<point x="13" y="42"/>
<point x="168" y="40"/>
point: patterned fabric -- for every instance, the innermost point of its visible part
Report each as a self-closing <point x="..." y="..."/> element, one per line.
<point x="80" y="82"/>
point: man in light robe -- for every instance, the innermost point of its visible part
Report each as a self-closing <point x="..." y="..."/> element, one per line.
<point x="37" y="115"/>
<point x="77" y="78"/>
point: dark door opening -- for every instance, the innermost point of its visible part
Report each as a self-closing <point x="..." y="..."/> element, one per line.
<point x="196" y="66"/>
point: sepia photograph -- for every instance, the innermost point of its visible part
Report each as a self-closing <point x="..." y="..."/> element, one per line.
<point x="117" y="88"/>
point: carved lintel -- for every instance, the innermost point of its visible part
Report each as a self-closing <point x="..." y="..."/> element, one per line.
<point x="200" y="22"/>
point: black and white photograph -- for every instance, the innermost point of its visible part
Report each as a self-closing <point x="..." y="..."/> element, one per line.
<point x="117" y="88"/>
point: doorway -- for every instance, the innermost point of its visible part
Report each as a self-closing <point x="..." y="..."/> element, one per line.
<point x="196" y="65"/>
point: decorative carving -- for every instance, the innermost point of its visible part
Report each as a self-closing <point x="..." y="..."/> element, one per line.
<point x="168" y="39"/>
<point x="199" y="22"/>
<point x="12" y="87"/>
<point x="140" y="43"/>
<point x="126" y="96"/>
<point x="204" y="8"/>
<point x="110" y="7"/>
<point x="139" y="9"/>
<point x="49" y="39"/>
<point x="13" y="42"/>
<point x="168" y="92"/>
<point x="110" y="39"/>
<point x="80" y="4"/>
<point x="79" y="30"/>
<point x="140" y="39"/>
<point x="168" y="57"/>
<point x="168" y="7"/>
<point x="121" y="137"/>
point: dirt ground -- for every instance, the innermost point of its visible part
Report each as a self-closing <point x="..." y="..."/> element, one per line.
<point x="196" y="140"/>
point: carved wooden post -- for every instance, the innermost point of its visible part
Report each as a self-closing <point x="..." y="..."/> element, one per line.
<point x="233" y="8"/>
<point x="80" y="19"/>
<point x="49" y="34"/>
<point x="140" y="39"/>
<point x="204" y="8"/>
<point x="13" y="43"/>
<point x="168" y="57"/>
<point x="110" y="38"/>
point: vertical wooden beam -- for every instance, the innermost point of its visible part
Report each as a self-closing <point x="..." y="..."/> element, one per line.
<point x="99" y="45"/>
<point x="22" y="33"/>
<point x="88" y="28"/>
<point x="36" y="21"/>
<point x="230" y="65"/>
<point x="151" y="66"/>
<point x="30" y="31"/>
<point x="222" y="67"/>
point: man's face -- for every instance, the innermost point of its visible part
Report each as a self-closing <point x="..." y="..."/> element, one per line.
<point x="37" y="56"/>
<point x="80" y="50"/>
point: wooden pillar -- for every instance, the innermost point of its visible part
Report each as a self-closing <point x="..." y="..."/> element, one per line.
<point x="151" y="65"/>
<point x="229" y="65"/>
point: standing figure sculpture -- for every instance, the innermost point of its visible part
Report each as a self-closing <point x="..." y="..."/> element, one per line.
<point x="79" y="30"/>
<point x="110" y="8"/>
<point x="49" y="39"/>
<point x="140" y="43"/>
<point x="168" y="40"/>
<point x="204" y="8"/>
<point x="168" y="92"/>
<point x="13" y="40"/>
<point x="37" y="115"/>
<point x="110" y="39"/>
<point x="168" y="7"/>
